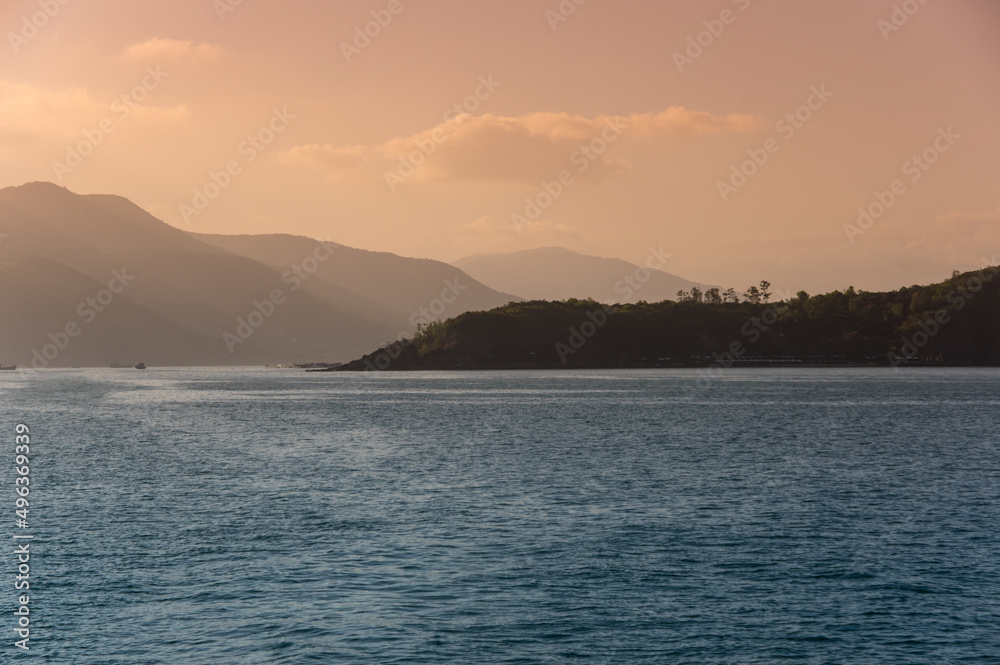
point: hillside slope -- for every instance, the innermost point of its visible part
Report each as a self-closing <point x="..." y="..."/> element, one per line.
<point x="398" y="284"/>
<point x="196" y="287"/>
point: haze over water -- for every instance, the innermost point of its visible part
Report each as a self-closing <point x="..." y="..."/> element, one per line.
<point x="245" y="516"/>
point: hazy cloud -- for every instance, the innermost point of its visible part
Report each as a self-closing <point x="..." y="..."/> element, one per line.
<point x="29" y="114"/>
<point x="522" y="149"/>
<point x="957" y="240"/>
<point x="972" y="219"/>
<point x="326" y="157"/>
<point x="160" y="47"/>
<point x="682" y="123"/>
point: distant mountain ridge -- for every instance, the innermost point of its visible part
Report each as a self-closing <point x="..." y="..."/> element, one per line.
<point x="188" y="301"/>
<point x="556" y="273"/>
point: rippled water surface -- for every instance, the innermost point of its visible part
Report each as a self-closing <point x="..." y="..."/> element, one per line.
<point x="252" y="516"/>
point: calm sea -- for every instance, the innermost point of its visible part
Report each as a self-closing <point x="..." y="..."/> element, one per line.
<point x="250" y="516"/>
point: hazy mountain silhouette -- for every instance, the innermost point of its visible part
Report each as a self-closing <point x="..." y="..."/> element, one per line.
<point x="390" y="283"/>
<point x="555" y="273"/>
<point x="58" y="248"/>
<point x="40" y="300"/>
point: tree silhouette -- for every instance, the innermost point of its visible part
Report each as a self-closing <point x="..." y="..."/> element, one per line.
<point x="764" y="293"/>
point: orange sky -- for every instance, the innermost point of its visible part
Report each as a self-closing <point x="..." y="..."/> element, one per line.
<point x="163" y="95"/>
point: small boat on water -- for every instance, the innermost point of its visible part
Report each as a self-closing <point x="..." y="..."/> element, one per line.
<point x="7" y="368"/>
<point x="141" y="366"/>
